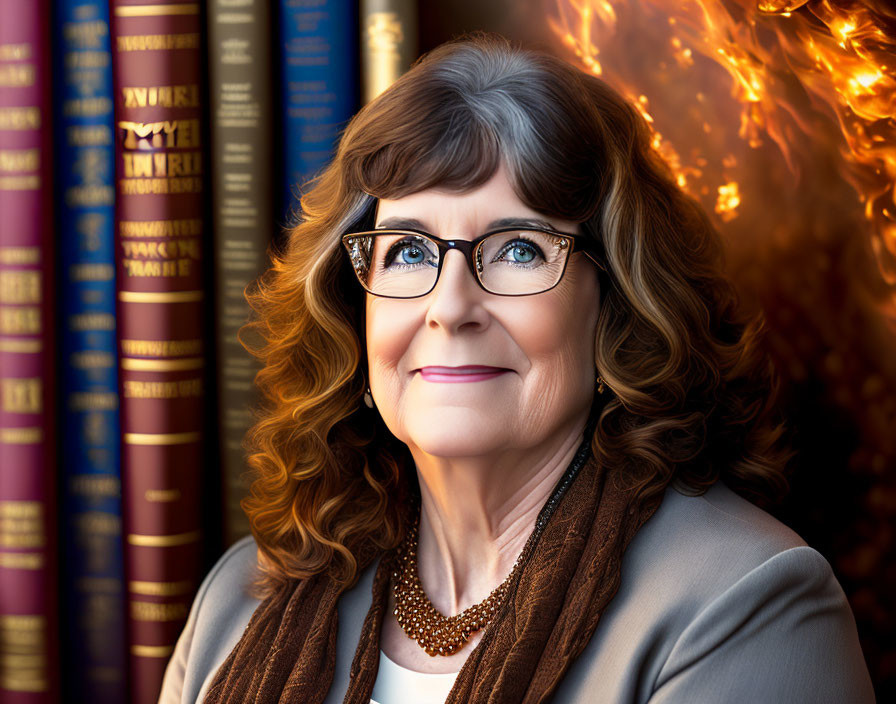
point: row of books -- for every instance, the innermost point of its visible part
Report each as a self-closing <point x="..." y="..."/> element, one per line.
<point x="149" y="153"/>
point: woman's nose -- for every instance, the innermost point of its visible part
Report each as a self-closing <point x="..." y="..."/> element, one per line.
<point x="457" y="297"/>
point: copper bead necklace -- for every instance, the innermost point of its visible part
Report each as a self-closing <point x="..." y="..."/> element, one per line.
<point x="445" y="635"/>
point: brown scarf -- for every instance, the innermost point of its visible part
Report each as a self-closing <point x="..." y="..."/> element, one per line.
<point x="288" y="651"/>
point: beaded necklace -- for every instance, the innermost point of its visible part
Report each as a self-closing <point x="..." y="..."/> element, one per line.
<point x="445" y="635"/>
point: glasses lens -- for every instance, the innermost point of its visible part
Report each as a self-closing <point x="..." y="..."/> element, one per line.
<point x="405" y="264"/>
<point x="521" y="261"/>
<point x="398" y="264"/>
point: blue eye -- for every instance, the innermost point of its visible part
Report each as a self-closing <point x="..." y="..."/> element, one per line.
<point x="523" y="250"/>
<point x="409" y="253"/>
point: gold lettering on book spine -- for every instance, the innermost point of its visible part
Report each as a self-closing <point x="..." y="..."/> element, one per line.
<point x="89" y="135"/>
<point x="17" y="76"/>
<point x="20" y="287"/>
<point x="21" y="436"/>
<point x="384" y="34"/>
<point x="160" y="613"/>
<point x="164" y="134"/>
<point x="19" y="255"/>
<point x="161" y="348"/>
<point x="15" y="52"/>
<point x="21" y="320"/>
<point x="158" y="42"/>
<point x="160" y="588"/>
<point x="23" y="658"/>
<point x="21" y="395"/>
<point x="21" y="525"/>
<point x="191" y="227"/>
<point x="162" y="496"/>
<point x="95" y="486"/>
<point x="91" y="321"/>
<point x="21" y="560"/>
<point x="12" y="160"/>
<point x="177" y="96"/>
<point x="27" y="118"/>
<point x="183" y="388"/>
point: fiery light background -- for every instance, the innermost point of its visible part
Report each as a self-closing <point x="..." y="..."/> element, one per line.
<point x="778" y="116"/>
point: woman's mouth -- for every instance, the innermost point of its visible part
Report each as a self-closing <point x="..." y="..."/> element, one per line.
<point x="456" y="375"/>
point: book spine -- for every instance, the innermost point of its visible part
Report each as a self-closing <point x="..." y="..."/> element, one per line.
<point x="28" y="552"/>
<point x="388" y="43"/>
<point x="93" y="644"/>
<point x="242" y="167"/>
<point x="159" y="144"/>
<point x="319" y="84"/>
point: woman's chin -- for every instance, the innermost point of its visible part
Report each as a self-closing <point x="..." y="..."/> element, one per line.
<point x="456" y="434"/>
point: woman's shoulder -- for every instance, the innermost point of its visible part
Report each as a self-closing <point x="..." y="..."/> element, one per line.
<point x="718" y="522"/>
<point x="220" y="613"/>
<point x="231" y="575"/>
<point x="713" y="590"/>
<point x="696" y="547"/>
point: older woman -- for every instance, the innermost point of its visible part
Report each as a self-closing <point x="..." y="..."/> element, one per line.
<point x="508" y="404"/>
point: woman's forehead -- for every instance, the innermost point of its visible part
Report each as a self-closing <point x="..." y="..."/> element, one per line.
<point x="492" y="205"/>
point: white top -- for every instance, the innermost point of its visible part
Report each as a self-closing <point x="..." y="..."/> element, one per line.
<point x="399" y="685"/>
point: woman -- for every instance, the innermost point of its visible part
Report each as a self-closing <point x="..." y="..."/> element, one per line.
<point x="508" y="399"/>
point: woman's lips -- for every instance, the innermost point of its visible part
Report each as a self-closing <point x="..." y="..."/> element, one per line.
<point x="456" y="375"/>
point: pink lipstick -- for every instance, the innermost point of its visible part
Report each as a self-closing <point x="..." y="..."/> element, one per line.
<point x="456" y="375"/>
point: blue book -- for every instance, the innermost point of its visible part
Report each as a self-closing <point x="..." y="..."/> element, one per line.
<point x="92" y="592"/>
<point x="320" y="85"/>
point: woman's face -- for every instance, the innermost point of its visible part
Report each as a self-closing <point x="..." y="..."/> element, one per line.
<point x="544" y="342"/>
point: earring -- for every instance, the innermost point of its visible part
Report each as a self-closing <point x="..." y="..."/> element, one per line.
<point x="368" y="398"/>
<point x="600" y="384"/>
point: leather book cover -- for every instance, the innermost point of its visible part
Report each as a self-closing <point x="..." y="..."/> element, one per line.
<point x="93" y="644"/>
<point x="388" y="43"/>
<point x="319" y="86"/>
<point x="28" y="551"/>
<point x="160" y="143"/>
<point x="240" y="87"/>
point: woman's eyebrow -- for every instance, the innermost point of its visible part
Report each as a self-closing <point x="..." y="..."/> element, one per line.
<point x="414" y="224"/>
<point x="401" y="224"/>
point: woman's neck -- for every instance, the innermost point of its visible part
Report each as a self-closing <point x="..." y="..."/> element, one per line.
<point x="478" y="513"/>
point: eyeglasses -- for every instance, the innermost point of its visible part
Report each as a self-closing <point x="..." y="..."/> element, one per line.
<point x="506" y="262"/>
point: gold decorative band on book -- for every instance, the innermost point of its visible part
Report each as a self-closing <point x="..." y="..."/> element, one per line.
<point x="136" y="364"/>
<point x="22" y="560"/>
<point x="152" y="651"/>
<point x="163" y="541"/>
<point x="21" y="436"/>
<point x="156" y="10"/>
<point x="160" y="588"/>
<point x="11" y="344"/>
<point x="160" y="296"/>
<point x="160" y="438"/>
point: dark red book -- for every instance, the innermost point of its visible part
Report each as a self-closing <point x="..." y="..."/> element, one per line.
<point x="160" y="228"/>
<point x="28" y="571"/>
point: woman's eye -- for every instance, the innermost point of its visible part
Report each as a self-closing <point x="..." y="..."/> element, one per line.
<point x="519" y="251"/>
<point x="406" y="253"/>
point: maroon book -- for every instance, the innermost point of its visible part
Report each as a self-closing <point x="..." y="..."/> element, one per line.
<point x="160" y="227"/>
<point x="28" y="572"/>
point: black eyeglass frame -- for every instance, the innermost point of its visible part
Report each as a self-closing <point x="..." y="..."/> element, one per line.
<point x="468" y="248"/>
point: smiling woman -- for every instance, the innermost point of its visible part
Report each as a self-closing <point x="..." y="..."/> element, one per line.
<point x="512" y="417"/>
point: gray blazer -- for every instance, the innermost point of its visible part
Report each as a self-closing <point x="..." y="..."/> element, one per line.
<point x="719" y="602"/>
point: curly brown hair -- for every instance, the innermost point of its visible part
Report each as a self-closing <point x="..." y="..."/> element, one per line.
<point x="692" y="392"/>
